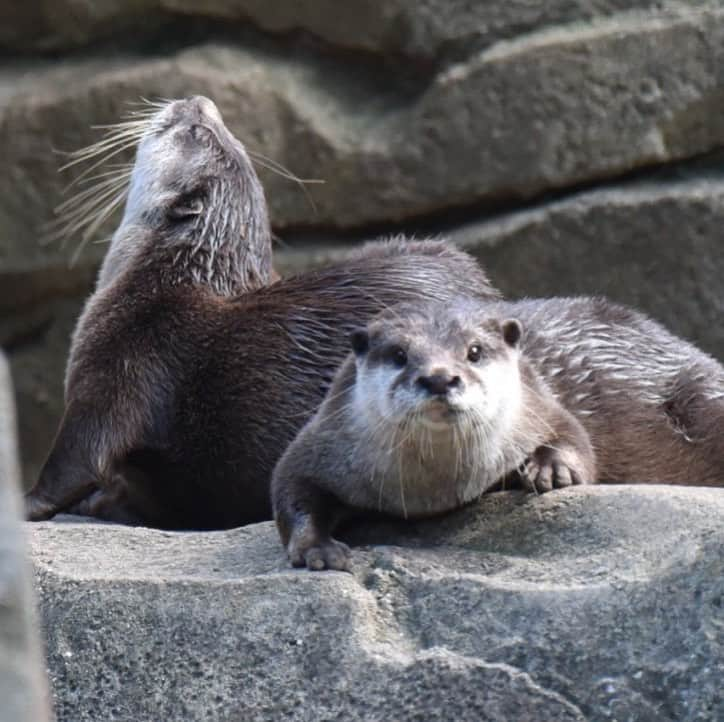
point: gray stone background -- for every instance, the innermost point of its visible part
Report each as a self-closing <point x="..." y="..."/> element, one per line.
<point x="573" y="145"/>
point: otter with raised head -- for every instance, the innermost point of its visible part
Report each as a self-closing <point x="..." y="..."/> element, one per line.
<point x="195" y="209"/>
<point x="438" y="404"/>
<point x="195" y="222"/>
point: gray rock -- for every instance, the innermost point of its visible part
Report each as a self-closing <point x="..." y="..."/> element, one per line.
<point x="551" y="108"/>
<point x="421" y="30"/>
<point x="38" y="340"/>
<point x="23" y="687"/>
<point x="596" y="603"/>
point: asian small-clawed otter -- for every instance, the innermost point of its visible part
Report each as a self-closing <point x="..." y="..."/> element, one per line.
<point x="195" y="221"/>
<point x="188" y="373"/>
<point x="439" y="403"/>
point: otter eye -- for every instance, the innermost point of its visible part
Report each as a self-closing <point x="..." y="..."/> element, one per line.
<point x="475" y="353"/>
<point x="398" y="356"/>
<point x="186" y="207"/>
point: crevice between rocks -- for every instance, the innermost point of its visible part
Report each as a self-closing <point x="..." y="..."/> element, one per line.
<point x="440" y="222"/>
<point x="396" y="74"/>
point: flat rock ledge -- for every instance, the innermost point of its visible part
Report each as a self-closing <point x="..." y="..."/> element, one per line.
<point x="601" y="603"/>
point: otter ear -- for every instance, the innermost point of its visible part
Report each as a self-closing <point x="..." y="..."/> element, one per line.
<point x="512" y="331"/>
<point x="360" y="341"/>
<point x="186" y="207"/>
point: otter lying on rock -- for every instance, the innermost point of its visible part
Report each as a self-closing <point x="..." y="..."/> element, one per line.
<point x="439" y="403"/>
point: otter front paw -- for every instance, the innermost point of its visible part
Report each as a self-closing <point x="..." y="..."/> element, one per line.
<point x="546" y="469"/>
<point x="328" y="554"/>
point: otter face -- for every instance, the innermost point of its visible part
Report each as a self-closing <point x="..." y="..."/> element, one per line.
<point x="188" y="168"/>
<point x="442" y="369"/>
<point x="193" y="197"/>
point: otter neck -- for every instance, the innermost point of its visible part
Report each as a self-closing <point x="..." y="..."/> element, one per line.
<point x="226" y="249"/>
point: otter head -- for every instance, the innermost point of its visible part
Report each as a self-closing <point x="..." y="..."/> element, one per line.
<point x="194" y="202"/>
<point x="440" y="366"/>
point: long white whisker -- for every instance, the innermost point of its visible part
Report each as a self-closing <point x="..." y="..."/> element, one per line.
<point x="280" y="169"/>
<point x="301" y="183"/>
<point x="114" y="182"/>
<point x="125" y="146"/>
<point x="95" y="225"/>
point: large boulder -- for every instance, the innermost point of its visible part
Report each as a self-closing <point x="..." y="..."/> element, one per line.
<point x="596" y="603"/>
<point x="655" y="245"/>
<point x="23" y="686"/>
<point x="419" y="30"/>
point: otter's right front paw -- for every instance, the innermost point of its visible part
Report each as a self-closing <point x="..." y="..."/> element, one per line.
<point x="329" y="554"/>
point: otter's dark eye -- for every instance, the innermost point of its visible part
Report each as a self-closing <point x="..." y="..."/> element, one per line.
<point x="475" y="353"/>
<point x="398" y="356"/>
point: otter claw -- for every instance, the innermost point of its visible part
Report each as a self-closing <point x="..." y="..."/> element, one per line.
<point x="331" y="554"/>
<point x="544" y="471"/>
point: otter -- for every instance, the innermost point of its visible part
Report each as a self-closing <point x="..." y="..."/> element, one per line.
<point x="195" y="218"/>
<point x="180" y="399"/>
<point x="438" y="404"/>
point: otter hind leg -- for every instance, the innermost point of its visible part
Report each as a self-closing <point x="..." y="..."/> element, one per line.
<point x="76" y="466"/>
<point x="695" y="414"/>
<point x="63" y="482"/>
<point x="108" y="505"/>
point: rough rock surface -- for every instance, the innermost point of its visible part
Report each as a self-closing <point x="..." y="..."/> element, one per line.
<point x="419" y="30"/>
<point x="552" y="108"/>
<point x="598" y="603"/>
<point x="23" y="687"/>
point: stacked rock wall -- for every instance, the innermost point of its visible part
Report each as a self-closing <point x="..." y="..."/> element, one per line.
<point x="573" y="146"/>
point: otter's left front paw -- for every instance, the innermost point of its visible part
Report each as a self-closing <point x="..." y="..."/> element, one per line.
<point x="545" y="470"/>
<point x="328" y="554"/>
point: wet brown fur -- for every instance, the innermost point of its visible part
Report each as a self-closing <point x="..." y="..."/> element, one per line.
<point x="605" y="387"/>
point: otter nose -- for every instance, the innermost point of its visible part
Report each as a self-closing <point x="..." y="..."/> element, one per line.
<point x="197" y="107"/>
<point x="206" y="107"/>
<point x="438" y="384"/>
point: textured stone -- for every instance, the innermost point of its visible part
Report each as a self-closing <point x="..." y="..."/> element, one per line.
<point x="420" y="29"/>
<point x="23" y="687"/>
<point x="37" y="340"/>
<point x="595" y="603"/>
<point x="553" y="108"/>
